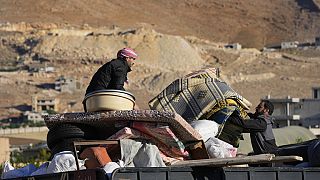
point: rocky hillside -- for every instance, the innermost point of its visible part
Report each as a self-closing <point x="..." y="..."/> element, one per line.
<point x="253" y="23"/>
<point x="79" y="52"/>
<point x="172" y="39"/>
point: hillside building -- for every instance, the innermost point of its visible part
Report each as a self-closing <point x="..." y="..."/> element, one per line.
<point x="40" y="67"/>
<point x="235" y="46"/>
<point x="64" y="84"/>
<point x="44" y="103"/>
<point x="34" y="116"/>
<point x="288" y="45"/>
<point x="295" y="111"/>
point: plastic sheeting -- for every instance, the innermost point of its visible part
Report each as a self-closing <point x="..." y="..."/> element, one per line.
<point x="206" y="128"/>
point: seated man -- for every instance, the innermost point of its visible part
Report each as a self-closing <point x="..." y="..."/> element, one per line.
<point x="113" y="74"/>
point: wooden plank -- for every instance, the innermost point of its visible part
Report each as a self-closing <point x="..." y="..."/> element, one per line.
<point x="95" y="142"/>
<point x="257" y="159"/>
<point x="219" y="162"/>
<point x="286" y="159"/>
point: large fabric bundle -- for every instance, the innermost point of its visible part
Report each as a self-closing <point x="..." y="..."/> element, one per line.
<point x="203" y="95"/>
<point x="196" y="95"/>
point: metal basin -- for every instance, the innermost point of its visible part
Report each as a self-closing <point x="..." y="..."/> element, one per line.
<point x="109" y="100"/>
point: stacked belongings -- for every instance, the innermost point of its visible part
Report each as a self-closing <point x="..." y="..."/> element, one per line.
<point x="197" y="96"/>
<point x="112" y="139"/>
<point x="202" y="95"/>
<point x="174" y="138"/>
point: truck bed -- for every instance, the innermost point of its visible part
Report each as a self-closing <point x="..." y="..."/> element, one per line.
<point x="188" y="173"/>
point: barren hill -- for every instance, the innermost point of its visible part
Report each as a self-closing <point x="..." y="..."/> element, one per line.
<point x="171" y="37"/>
<point x="253" y="23"/>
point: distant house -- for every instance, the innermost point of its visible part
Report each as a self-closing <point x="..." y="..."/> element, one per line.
<point x="40" y="67"/>
<point x="34" y="116"/>
<point x="295" y="111"/>
<point x="235" y="46"/>
<point x="63" y="84"/>
<point x="288" y="45"/>
<point x="44" y="103"/>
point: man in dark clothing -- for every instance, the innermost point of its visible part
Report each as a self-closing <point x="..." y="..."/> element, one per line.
<point x="260" y="128"/>
<point x="113" y="74"/>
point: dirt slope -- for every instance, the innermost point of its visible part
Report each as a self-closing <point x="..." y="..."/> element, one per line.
<point x="163" y="58"/>
<point x="172" y="38"/>
<point x="253" y="23"/>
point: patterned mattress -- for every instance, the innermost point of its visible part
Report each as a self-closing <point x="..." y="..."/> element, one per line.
<point x="111" y="119"/>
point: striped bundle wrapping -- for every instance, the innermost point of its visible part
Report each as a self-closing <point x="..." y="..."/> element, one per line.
<point x="197" y="96"/>
<point x="202" y="95"/>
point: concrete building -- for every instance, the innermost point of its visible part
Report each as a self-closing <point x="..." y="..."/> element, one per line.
<point x="34" y="116"/>
<point x="287" y="45"/>
<point x="298" y="111"/>
<point x="44" y="103"/>
<point x="41" y="67"/>
<point x="235" y="46"/>
<point x="63" y="84"/>
<point x="4" y="150"/>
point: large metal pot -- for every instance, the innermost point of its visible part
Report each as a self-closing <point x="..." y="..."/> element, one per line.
<point x="109" y="100"/>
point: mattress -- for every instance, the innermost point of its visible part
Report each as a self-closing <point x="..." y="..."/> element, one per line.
<point x="120" y="119"/>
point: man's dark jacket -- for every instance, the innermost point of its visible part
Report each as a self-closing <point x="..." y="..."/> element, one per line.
<point x="261" y="134"/>
<point x="111" y="75"/>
